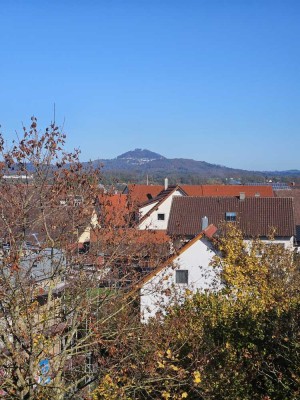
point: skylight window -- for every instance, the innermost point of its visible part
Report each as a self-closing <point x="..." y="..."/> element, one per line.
<point x="230" y="216"/>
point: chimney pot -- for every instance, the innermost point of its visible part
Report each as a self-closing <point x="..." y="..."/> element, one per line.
<point x="204" y="223"/>
<point x="166" y="183"/>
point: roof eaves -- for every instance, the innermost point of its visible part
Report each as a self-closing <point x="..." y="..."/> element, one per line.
<point x="208" y="232"/>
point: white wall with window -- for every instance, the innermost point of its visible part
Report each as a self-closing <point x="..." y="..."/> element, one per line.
<point x="286" y="242"/>
<point x="146" y="208"/>
<point x="190" y="270"/>
<point x="159" y="217"/>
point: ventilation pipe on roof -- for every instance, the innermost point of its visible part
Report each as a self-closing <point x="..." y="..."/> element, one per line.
<point x="242" y="196"/>
<point x="166" y="183"/>
<point x="204" y="223"/>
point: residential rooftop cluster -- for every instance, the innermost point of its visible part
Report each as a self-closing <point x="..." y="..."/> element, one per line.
<point x="180" y="222"/>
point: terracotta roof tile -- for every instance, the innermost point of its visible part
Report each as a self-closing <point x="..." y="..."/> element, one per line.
<point x="132" y="234"/>
<point x="114" y="209"/>
<point x="228" y="190"/>
<point x="143" y="193"/>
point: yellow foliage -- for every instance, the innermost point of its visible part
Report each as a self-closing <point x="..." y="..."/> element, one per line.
<point x="256" y="273"/>
<point x="197" y="377"/>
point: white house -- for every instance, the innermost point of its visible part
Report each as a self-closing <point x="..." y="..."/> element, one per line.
<point x="189" y="269"/>
<point x="155" y="213"/>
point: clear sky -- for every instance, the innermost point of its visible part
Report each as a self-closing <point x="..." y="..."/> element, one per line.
<point x="212" y="80"/>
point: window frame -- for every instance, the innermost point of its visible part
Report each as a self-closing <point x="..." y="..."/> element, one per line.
<point x="230" y="216"/>
<point x="184" y="279"/>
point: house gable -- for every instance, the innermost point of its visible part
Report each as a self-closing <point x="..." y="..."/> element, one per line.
<point x="158" y="210"/>
<point x="188" y="269"/>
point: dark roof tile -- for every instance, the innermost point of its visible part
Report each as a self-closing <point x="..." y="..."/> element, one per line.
<point x="255" y="216"/>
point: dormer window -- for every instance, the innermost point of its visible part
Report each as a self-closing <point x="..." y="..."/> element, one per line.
<point x="230" y="216"/>
<point x="161" y="217"/>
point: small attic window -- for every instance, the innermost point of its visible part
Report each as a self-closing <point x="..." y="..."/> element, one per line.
<point x="161" y="217"/>
<point x="182" y="276"/>
<point x="230" y="216"/>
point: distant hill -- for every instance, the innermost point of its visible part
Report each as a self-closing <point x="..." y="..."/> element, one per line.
<point x="138" y="163"/>
<point x="139" y="156"/>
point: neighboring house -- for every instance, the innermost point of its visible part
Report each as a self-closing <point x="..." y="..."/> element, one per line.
<point x="111" y="210"/>
<point x="188" y="269"/>
<point x="155" y="213"/>
<point x="256" y="217"/>
<point x="41" y="265"/>
<point x="127" y="254"/>
<point x="144" y="193"/>
<point x="295" y="194"/>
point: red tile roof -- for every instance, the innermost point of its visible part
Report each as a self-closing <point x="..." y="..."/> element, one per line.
<point x="132" y="235"/>
<point x="142" y="193"/>
<point x="228" y="190"/>
<point x="255" y="216"/>
<point x="114" y="209"/>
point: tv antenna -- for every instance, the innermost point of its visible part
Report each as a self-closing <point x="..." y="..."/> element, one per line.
<point x="54" y="113"/>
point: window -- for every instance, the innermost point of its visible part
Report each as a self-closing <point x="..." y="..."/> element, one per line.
<point x="161" y="217"/>
<point x="78" y="200"/>
<point x="230" y="216"/>
<point x="182" y="276"/>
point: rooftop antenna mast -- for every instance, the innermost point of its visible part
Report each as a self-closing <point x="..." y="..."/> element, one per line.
<point x="54" y="113"/>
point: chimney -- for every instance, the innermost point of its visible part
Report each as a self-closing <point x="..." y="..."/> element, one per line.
<point x="204" y="223"/>
<point x="242" y="195"/>
<point x="166" y="183"/>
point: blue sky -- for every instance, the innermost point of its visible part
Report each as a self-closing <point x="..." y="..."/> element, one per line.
<point x="212" y="80"/>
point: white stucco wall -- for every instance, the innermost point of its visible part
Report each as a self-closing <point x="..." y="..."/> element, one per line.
<point x="162" y="290"/>
<point x="86" y="234"/>
<point x="143" y="210"/>
<point x="152" y="221"/>
<point x="287" y="242"/>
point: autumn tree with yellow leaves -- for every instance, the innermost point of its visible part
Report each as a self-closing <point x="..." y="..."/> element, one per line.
<point x="64" y="337"/>
<point x="241" y="342"/>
